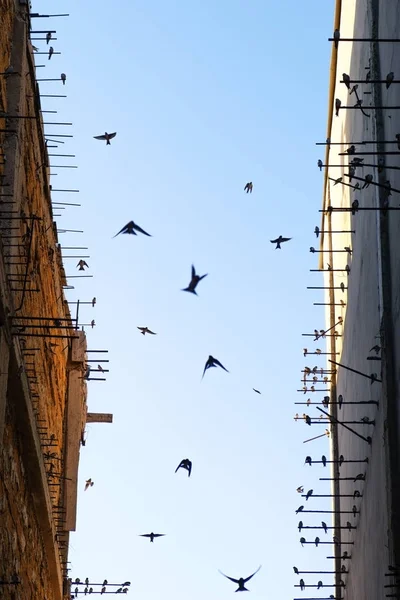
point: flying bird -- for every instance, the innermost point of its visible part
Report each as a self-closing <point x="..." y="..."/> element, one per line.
<point x="51" y="52"/>
<point x="63" y="78"/>
<point x="300" y="489"/>
<point x="185" y="464"/>
<point x="279" y="241"/>
<point x="152" y="535"/>
<point x="389" y="79"/>
<point x="346" y="80"/>
<point x="144" y="330"/>
<point x="256" y="391"/>
<point x="338" y="104"/>
<point x="213" y="362"/>
<point x="89" y="483"/>
<point x="82" y="264"/>
<point x="48" y="37"/>
<point x="240" y="582"/>
<point x="376" y="349"/>
<point x="194" y="281"/>
<point x="248" y="187"/>
<point x="106" y="136"/>
<point x="132" y="228"/>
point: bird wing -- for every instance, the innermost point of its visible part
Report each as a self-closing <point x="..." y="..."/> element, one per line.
<point x="145" y="535"/>
<point x="285" y="239"/>
<point x="274" y="241"/>
<point x="250" y="576"/>
<point x="158" y="534"/>
<point x="202" y="277"/>
<point x="231" y="578"/>
<point x="99" y="137"/>
<point x="207" y="365"/>
<point x="112" y="135"/>
<point x="140" y="229"/>
<point x="193" y="272"/>
<point x="152" y="332"/>
<point x="220" y="365"/>
<point x="125" y="227"/>
<point x="85" y="264"/>
<point x="178" y="467"/>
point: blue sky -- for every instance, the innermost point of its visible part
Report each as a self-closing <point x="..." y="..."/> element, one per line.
<point x="204" y="97"/>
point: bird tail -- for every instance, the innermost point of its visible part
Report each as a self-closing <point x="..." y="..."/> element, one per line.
<point x="243" y="589"/>
<point x="108" y="143"/>
<point x="189" y="290"/>
<point x="278" y="246"/>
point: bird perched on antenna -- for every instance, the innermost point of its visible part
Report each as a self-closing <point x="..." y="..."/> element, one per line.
<point x="152" y="535"/>
<point x="193" y="282"/>
<point x="107" y="137"/>
<point x="132" y="228"/>
<point x="280" y="240"/>
<point x="241" y="581"/>
<point x="213" y="362"/>
<point x="144" y="330"/>
<point x="248" y="187"/>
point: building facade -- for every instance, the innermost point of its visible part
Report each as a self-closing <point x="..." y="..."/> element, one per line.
<point x="360" y="257"/>
<point x="42" y="351"/>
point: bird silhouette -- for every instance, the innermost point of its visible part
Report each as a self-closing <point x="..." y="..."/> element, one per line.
<point x="151" y="536"/>
<point x="300" y="525"/>
<point x="194" y="281"/>
<point x="300" y="489"/>
<point x="376" y="349"/>
<point x="368" y="181"/>
<point x="295" y="569"/>
<point x="89" y="483"/>
<point x="319" y="585"/>
<point x="338" y="104"/>
<point x="241" y="581"/>
<point x="107" y="137"/>
<point x="323" y="458"/>
<point x="185" y="464"/>
<point x="48" y="37"/>
<point x="302" y="584"/>
<point x="320" y="164"/>
<point x="308" y="460"/>
<point x="280" y="240"/>
<point x="336" y="38"/>
<point x="354" y="207"/>
<point x="132" y="228"/>
<point x="302" y="541"/>
<point x="389" y="79"/>
<point x="63" y="78"/>
<point x="144" y="330"/>
<point x="256" y="391"/>
<point x="51" y="52"/>
<point x="316" y="541"/>
<point x="325" y="527"/>
<point x="316" y="230"/>
<point x="82" y="264"/>
<point x="248" y="187"/>
<point x="309" y="493"/>
<point x="213" y="362"/>
<point x="300" y="509"/>
<point x="346" y="80"/>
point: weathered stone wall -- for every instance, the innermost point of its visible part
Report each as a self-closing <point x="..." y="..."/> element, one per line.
<point x="41" y="367"/>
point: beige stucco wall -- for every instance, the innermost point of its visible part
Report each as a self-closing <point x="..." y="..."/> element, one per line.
<point x="372" y="550"/>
